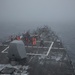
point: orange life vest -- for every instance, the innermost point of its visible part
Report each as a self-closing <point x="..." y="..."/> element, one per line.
<point x="34" y="41"/>
<point x="18" y="38"/>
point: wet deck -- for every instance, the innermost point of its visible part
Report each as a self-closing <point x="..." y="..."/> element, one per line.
<point x="40" y="58"/>
<point x="50" y="59"/>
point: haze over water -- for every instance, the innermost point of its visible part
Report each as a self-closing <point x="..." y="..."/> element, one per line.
<point x="17" y="16"/>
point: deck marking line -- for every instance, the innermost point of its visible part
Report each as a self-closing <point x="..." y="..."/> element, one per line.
<point x="34" y="54"/>
<point x="25" y="46"/>
<point x="45" y="41"/>
<point x="50" y="48"/>
<point x="57" y="48"/>
<point x="31" y="54"/>
<point x="5" y="45"/>
<point x="31" y="59"/>
<point x="36" y="47"/>
<point x="5" y="49"/>
<point x="5" y="52"/>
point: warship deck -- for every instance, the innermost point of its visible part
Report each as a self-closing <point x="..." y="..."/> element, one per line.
<point x="50" y="59"/>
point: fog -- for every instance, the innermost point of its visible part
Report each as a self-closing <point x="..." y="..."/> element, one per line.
<point x="37" y="10"/>
<point x="21" y="15"/>
<point x="32" y="13"/>
<point x="17" y="16"/>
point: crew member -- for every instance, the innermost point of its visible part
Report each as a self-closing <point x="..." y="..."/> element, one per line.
<point x="18" y="38"/>
<point x="11" y="38"/>
<point x="42" y="42"/>
<point x="34" y="41"/>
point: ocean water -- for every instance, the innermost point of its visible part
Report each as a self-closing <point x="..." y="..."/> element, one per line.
<point x="66" y="33"/>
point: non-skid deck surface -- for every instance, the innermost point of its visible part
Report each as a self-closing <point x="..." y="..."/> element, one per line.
<point x="57" y="61"/>
<point x="30" y="50"/>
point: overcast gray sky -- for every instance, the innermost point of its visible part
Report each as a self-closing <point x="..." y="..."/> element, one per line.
<point x="37" y="10"/>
